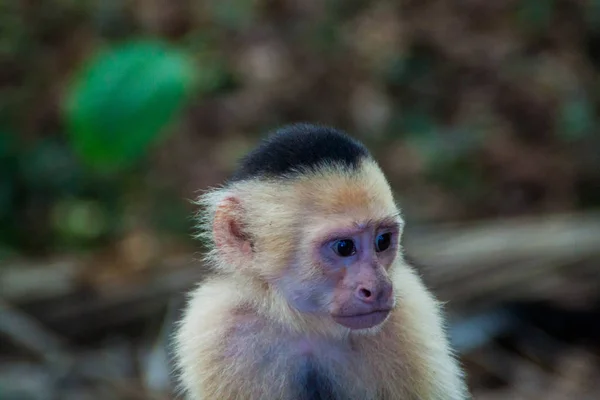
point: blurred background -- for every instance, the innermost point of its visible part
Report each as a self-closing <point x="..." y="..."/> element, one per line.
<point x="114" y="114"/>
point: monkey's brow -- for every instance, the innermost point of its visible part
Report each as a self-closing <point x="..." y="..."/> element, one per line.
<point x="391" y="222"/>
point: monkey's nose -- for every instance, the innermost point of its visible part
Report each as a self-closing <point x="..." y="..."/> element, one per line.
<point x="374" y="293"/>
<point x="365" y="294"/>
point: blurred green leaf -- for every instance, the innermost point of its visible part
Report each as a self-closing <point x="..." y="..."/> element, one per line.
<point x="576" y="119"/>
<point x="124" y="99"/>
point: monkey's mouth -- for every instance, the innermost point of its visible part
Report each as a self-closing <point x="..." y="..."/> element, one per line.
<point x="362" y="321"/>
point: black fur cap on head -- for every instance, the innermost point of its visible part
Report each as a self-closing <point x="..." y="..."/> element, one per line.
<point x="299" y="147"/>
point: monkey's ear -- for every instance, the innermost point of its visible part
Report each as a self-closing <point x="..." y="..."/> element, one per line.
<point x="231" y="240"/>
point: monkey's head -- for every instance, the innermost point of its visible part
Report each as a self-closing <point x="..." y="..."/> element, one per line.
<point x="311" y="216"/>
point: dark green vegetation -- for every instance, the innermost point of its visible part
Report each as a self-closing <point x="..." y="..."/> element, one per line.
<point x="112" y="115"/>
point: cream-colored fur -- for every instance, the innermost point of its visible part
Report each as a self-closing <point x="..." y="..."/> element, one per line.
<point x="239" y="336"/>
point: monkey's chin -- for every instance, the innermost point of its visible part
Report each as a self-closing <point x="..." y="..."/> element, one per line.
<point x="362" y="321"/>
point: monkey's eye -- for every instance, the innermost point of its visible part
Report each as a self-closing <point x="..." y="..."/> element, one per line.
<point x="383" y="242"/>
<point x="344" y="248"/>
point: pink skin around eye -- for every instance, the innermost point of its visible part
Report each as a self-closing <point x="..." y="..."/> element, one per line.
<point x="364" y="240"/>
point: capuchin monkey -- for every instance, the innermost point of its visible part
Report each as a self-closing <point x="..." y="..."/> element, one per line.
<point x="311" y="298"/>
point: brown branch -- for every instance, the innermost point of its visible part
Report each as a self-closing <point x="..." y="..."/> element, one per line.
<point x="469" y="265"/>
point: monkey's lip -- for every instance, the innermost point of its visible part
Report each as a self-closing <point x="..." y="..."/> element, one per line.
<point x="362" y="321"/>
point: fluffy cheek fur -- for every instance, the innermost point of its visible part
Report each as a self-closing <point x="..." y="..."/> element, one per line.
<point x="306" y="287"/>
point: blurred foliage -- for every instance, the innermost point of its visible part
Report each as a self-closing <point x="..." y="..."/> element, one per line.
<point x="113" y="114"/>
<point x="577" y="118"/>
<point x="123" y="101"/>
<point x="536" y="15"/>
<point x="237" y="15"/>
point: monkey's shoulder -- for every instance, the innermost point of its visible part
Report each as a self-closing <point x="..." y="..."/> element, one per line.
<point x="211" y="313"/>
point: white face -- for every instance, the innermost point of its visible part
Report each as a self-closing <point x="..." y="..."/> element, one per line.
<point x="349" y="273"/>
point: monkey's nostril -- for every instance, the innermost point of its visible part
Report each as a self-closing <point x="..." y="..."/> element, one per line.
<point x="365" y="293"/>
